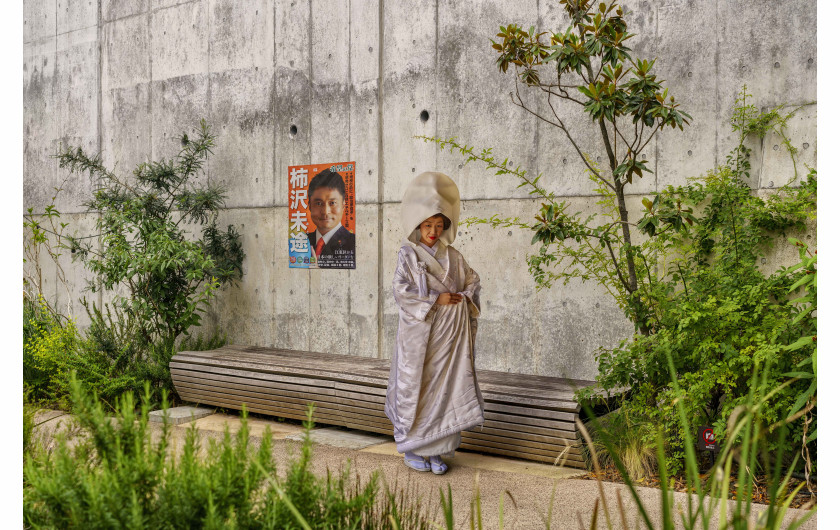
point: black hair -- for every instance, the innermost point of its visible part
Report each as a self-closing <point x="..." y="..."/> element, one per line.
<point x="327" y="179"/>
<point x="446" y="222"/>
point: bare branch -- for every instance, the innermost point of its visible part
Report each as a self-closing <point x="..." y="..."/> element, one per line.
<point x="563" y="95"/>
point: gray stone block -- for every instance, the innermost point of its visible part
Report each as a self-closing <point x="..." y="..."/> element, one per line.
<point x="179" y="415"/>
<point x="76" y="14"/>
<point x="240" y="113"/>
<point x="125" y="53"/>
<point x="179" y="40"/>
<point x="39" y="20"/>
<point x="346" y="439"/>
<point x="177" y="106"/>
<point x="246" y="311"/>
<point x="77" y="91"/>
<point x="41" y="127"/>
<point x="241" y="35"/>
<point x="114" y="9"/>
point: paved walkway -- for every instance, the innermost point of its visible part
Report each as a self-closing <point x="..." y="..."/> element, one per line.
<point x="530" y="484"/>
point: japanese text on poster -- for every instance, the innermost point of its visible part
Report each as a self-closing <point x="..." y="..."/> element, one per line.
<point x="322" y="216"/>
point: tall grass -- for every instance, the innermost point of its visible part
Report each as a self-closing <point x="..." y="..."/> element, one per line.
<point x="744" y="452"/>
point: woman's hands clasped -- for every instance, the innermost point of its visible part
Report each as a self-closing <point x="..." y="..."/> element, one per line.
<point x="449" y="299"/>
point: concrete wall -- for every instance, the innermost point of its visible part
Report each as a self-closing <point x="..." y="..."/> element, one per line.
<point x="127" y="77"/>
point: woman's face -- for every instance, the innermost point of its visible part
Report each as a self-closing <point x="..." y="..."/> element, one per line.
<point x="430" y="230"/>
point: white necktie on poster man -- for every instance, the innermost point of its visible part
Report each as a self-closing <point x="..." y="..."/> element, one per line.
<point x="322" y="216"/>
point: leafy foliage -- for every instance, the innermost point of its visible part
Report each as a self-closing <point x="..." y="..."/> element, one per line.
<point x="146" y="250"/>
<point x="714" y="312"/>
<point x="48" y="345"/>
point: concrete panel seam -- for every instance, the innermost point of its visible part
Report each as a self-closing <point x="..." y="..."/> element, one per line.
<point x="311" y="89"/>
<point x="717" y="78"/>
<point x="656" y="140"/>
<point x="149" y="11"/>
<point x="207" y="168"/>
<point x="380" y="324"/>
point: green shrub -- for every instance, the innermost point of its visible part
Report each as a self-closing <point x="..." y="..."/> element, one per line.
<point x="49" y="345"/>
<point x="145" y="246"/>
<point x="716" y="314"/>
<point x="116" y="476"/>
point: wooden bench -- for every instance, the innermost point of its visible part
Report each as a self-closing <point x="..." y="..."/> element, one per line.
<point x="528" y="417"/>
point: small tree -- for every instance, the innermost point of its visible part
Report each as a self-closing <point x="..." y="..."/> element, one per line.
<point x="589" y="65"/>
<point x="145" y="247"/>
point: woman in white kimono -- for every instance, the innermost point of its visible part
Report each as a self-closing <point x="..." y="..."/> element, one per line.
<point x="433" y="392"/>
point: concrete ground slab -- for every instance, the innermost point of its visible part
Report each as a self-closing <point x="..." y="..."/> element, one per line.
<point x="218" y="422"/>
<point x="479" y="461"/>
<point x="334" y="437"/>
<point x="179" y="415"/>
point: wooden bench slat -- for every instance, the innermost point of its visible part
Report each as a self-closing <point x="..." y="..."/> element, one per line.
<point x="245" y="378"/>
<point x="550" y="447"/>
<point x="353" y="421"/>
<point x="321" y="408"/>
<point x="285" y="395"/>
<point x="474" y="442"/>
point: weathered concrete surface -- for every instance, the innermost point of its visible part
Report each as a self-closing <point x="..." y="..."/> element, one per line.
<point x="343" y="438"/>
<point x="305" y="81"/>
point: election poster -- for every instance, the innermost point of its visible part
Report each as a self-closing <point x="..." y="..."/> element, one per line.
<point x="322" y="216"/>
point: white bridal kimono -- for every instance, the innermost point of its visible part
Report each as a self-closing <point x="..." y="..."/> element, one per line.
<point x="433" y="392"/>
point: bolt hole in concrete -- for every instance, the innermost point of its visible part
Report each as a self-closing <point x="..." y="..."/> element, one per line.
<point x="771" y="183"/>
<point x="689" y="74"/>
<point x="689" y="152"/>
<point x="370" y="48"/>
<point x="810" y="61"/>
<point x="293" y="130"/>
<point x="412" y="170"/>
<point x="805" y="145"/>
<point x="776" y="64"/>
<point x="370" y="172"/>
<point x="775" y="148"/>
<point x="424" y="116"/>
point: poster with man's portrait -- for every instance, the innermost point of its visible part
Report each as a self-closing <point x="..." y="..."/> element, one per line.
<point x="322" y="216"/>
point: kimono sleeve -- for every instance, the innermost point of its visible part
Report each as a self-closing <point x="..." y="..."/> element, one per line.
<point x="472" y="288"/>
<point x="407" y="291"/>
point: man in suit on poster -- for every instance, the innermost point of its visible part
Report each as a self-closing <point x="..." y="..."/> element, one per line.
<point x="334" y="246"/>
